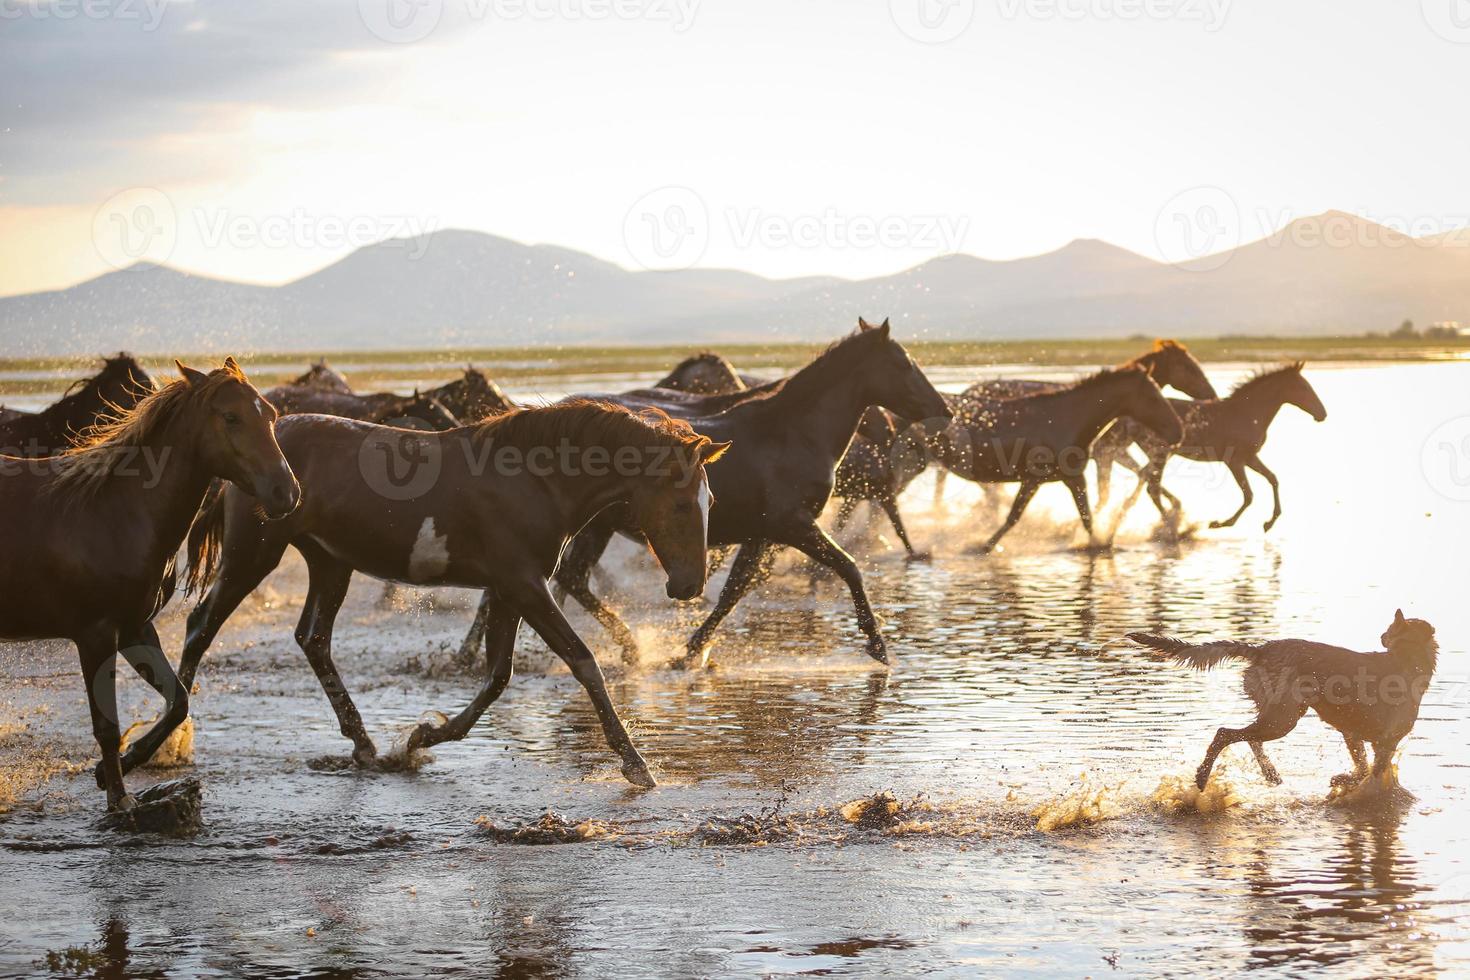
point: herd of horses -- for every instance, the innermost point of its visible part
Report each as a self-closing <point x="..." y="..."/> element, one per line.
<point x="101" y="492"/>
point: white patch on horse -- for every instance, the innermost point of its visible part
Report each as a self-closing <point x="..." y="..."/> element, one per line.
<point x="704" y="500"/>
<point x="429" y="558"/>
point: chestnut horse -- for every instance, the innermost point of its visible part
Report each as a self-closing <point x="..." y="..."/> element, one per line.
<point x="119" y="386"/>
<point x="1231" y="430"/>
<point x="1047" y="437"/>
<point x="473" y="509"/>
<point x="91" y="536"/>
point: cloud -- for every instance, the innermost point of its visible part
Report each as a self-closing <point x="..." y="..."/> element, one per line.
<point x="94" y="88"/>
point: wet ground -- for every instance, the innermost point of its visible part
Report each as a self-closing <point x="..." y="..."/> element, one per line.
<point x="1037" y="822"/>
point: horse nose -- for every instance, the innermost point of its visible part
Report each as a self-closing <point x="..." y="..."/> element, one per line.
<point x="285" y="496"/>
<point x="683" y="592"/>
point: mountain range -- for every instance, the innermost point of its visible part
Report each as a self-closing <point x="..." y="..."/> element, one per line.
<point x="1332" y="273"/>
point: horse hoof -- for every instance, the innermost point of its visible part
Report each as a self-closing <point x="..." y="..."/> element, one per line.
<point x="920" y="556"/>
<point x="367" y="756"/>
<point x="1273" y="779"/>
<point x="638" y="774"/>
<point x="126" y="802"/>
<point x="878" y="650"/>
<point x="1216" y="525"/>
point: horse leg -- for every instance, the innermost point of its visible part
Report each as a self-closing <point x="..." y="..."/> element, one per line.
<point x="328" y="579"/>
<point x="476" y="635"/>
<point x="1383" y="756"/>
<point x="1018" y="507"/>
<point x="717" y="556"/>
<point x="1274" y="723"/>
<point x="1237" y="471"/>
<point x="1104" y="478"/>
<point x="890" y="507"/>
<point x="1255" y="463"/>
<point x="939" y="474"/>
<point x="142" y="649"/>
<point x="1268" y="768"/>
<point x="743" y="575"/>
<point x="1077" y="486"/>
<point x="240" y="572"/>
<point x="844" y="514"/>
<point x="573" y="573"/>
<point x="98" y="652"/>
<point x="500" y="642"/>
<point x="545" y="617"/>
<point x="813" y="542"/>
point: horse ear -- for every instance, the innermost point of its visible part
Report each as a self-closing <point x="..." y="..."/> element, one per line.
<point x="864" y="324"/>
<point x="1398" y="616"/>
<point x="712" y="451"/>
<point x="232" y="366"/>
<point x="190" y="376"/>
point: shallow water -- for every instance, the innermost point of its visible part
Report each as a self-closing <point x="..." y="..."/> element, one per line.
<point x="1015" y="702"/>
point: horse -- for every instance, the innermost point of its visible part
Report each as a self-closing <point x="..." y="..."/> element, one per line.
<point x="118" y="387"/>
<point x="488" y="517"/>
<point x="92" y="535"/>
<point x="379" y="407"/>
<point x="705" y="373"/>
<point x="1169" y="363"/>
<point x="1048" y="437"/>
<point x="473" y="397"/>
<point x="1231" y="430"/>
<point x="778" y="478"/>
<point x="11" y="414"/>
<point x="323" y="377"/>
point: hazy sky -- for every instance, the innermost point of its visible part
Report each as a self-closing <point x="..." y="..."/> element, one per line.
<point x="260" y="140"/>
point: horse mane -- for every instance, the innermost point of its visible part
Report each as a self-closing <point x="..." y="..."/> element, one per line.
<point x="1264" y="375"/>
<point x="84" y="388"/>
<point x="588" y="422"/>
<point x="83" y="468"/>
<point x="837" y="357"/>
<point x="1161" y="344"/>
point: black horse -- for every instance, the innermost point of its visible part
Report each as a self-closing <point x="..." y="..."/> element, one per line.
<point x="778" y="476"/>
<point x="114" y="390"/>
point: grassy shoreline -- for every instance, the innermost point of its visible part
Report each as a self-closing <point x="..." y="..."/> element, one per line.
<point x="513" y="363"/>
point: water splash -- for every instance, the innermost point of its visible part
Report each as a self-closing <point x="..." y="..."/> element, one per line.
<point x="1179" y="794"/>
<point x="176" y="751"/>
<point x="1085" y="805"/>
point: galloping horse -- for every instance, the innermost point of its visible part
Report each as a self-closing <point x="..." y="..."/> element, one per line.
<point x="92" y="536"/>
<point x="778" y="478"/>
<point x="119" y="386"/>
<point x="1169" y="363"/>
<point x="500" y="530"/>
<point x="1041" y="438"/>
<point x="1231" y="430"/>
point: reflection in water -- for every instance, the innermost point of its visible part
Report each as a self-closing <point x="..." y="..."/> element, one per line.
<point x="1013" y="688"/>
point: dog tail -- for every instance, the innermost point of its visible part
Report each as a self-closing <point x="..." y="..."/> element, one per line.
<point x="1200" y="656"/>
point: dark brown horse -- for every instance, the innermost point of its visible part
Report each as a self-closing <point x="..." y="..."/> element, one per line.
<point x="489" y="506"/>
<point x="778" y="478"/>
<point x="1169" y="363"/>
<point x="324" y="377"/>
<point x="119" y="386"/>
<point x="1047" y="437"/>
<point x="473" y="397"/>
<point x="1231" y="430"/>
<point x="379" y="407"/>
<point x="90" y="536"/>
<point x="705" y="373"/>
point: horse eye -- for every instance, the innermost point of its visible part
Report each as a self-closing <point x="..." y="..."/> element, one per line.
<point x="231" y="418"/>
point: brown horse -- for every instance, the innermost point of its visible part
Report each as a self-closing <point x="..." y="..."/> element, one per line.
<point x="324" y="377"/>
<point x="378" y="407"/>
<point x="1169" y="363"/>
<point x="1041" y="438"/>
<point x="1231" y="430"/>
<point x="91" y="536"/>
<point x="489" y="506"/>
<point x="472" y="398"/>
<point x="705" y="373"/>
<point x="120" y="385"/>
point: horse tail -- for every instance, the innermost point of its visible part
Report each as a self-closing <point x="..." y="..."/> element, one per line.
<point x="1200" y="656"/>
<point x="206" y="536"/>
